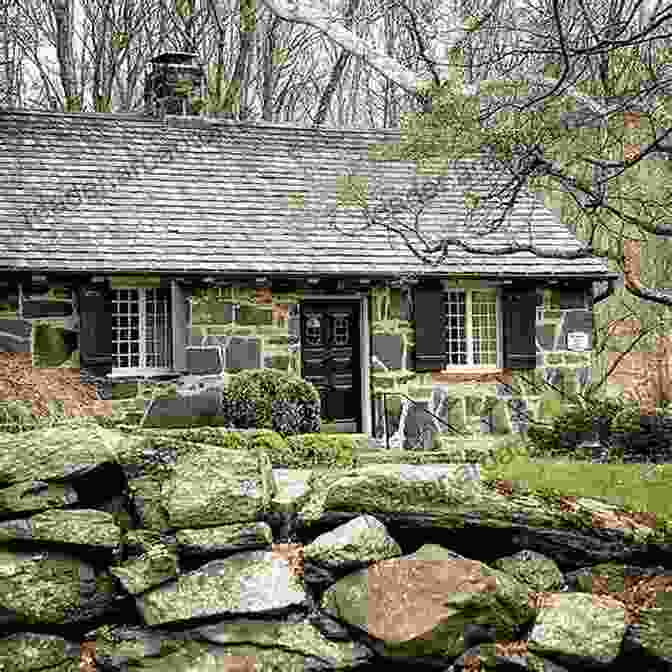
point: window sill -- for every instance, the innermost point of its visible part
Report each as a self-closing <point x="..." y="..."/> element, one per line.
<point x="473" y="369"/>
<point x="472" y="374"/>
<point x="140" y="373"/>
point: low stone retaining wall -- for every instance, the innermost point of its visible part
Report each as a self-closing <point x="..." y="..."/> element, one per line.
<point x="128" y="552"/>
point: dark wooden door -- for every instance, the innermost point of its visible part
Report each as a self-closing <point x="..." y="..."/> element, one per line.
<point x="330" y="357"/>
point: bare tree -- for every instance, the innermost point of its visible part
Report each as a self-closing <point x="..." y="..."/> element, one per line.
<point x="524" y="128"/>
<point x="63" y="12"/>
<point x="10" y="63"/>
<point x="337" y="71"/>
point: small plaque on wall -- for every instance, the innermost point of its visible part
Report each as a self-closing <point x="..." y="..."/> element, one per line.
<point x="577" y="340"/>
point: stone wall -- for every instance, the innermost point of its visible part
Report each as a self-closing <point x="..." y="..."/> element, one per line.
<point x="235" y="328"/>
<point x="497" y="401"/>
<point x="110" y="563"/>
<point x="241" y="327"/>
<point x="51" y="316"/>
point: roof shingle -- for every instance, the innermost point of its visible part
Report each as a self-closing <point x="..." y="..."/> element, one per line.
<point x="114" y="193"/>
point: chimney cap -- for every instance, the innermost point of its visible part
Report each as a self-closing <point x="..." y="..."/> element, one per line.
<point x="174" y="57"/>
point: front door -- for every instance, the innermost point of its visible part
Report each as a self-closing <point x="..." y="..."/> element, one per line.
<point x="330" y="359"/>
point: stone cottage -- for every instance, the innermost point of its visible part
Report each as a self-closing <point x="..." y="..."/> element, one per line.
<point x="167" y="244"/>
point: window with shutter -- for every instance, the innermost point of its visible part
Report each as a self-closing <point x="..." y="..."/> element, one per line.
<point x="475" y="328"/>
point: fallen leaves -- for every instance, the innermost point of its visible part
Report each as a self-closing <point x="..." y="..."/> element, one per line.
<point x="20" y="381"/>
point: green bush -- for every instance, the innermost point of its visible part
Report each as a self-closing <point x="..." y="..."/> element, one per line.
<point x="332" y="450"/>
<point x="271" y="399"/>
<point x="271" y="442"/>
<point x="213" y="436"/>
<point x="578" y="421"/>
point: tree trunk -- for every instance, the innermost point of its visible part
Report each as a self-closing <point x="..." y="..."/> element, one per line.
<point x="64" y="52"/>
<point x="337" y="71"/>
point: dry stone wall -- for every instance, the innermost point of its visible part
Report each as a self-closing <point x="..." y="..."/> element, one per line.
<point x="129" y="552"/>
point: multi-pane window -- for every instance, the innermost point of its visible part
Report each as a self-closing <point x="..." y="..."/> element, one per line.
<point x="141" y="336"/>
<point x="471" y="327"/>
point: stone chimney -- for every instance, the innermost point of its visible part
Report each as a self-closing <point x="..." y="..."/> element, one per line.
<point x="174" y="84"/>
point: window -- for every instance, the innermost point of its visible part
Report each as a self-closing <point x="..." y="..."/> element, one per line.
<point x="471" y="327"/>
<point x="141" y="334"/>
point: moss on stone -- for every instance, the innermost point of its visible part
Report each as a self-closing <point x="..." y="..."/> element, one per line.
<point x="45" y="589"/>
<point x="326" y="449"/>
<point x="226" y="535"/>
<point x="240" y="486"/>
<point x="157" y="565"/>
<point x="60" y="451"/>
<point x="31" y="652"/>
<point x="76" y="526"/>
<point x="253" y="315"/>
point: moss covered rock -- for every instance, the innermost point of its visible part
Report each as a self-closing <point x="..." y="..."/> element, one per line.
<point x="337" y="450"/>
<point x="62" y="451"/>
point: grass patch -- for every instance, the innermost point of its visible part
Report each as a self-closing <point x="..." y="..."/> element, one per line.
<point x="637" y="487"/>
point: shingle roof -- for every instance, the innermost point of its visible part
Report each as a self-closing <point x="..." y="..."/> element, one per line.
<point x="115" y="193"/>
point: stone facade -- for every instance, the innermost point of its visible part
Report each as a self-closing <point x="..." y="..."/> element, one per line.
<point x="254" y="328"/>
<point x="238" y="327"/>
<point x="497" y="400"/>
<point x="243" y="327"/>
<point x="267" y="569"/>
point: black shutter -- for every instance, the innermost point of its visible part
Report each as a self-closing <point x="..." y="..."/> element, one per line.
<point x="179" y="309"/>
<point x="95" y="328"/>
<point x="519" y="310"/>
<point x="430" y="337"/>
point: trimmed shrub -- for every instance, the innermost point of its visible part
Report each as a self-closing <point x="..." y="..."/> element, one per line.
<point x="214" y="436"/>
<point x="50" y="346"/>
<point x="271" y="399"/>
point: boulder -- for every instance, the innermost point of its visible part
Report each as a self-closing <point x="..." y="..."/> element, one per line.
<point x="33" y="496"/>
<point x="223" y="562"/>
<point x="83" y="527"/>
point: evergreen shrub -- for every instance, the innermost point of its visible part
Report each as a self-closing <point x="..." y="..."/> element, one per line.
<point x="579" y="422"/>
<point x="272" y="399"/>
